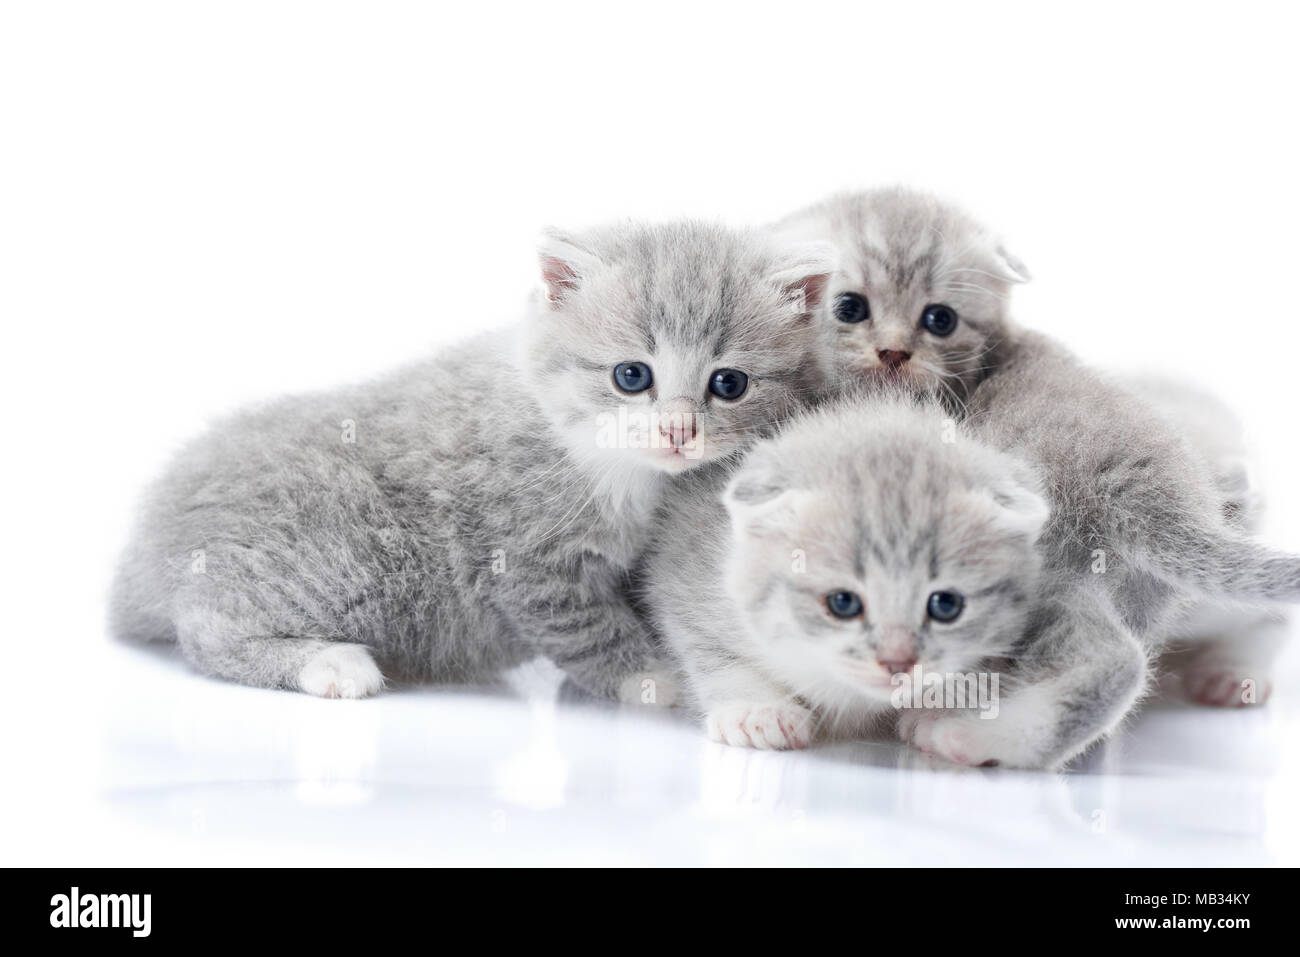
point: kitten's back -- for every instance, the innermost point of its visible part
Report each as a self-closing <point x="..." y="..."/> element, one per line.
<point x="1125" y="487"/>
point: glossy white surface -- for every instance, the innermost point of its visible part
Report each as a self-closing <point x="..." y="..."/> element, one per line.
<point x="195" y="771"/>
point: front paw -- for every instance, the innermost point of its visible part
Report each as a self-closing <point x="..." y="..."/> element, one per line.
<point x="341" y="670"/>
<point x="953" y="738"/>
<point x="776" y="727"/>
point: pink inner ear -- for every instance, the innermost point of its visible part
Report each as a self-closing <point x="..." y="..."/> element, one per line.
<point x="559" y="277"/>
<point x="809" y="290"/>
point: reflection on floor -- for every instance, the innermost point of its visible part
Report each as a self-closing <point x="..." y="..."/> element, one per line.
<point x="199" y="771"/>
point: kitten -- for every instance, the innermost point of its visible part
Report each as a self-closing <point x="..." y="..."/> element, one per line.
<point x="919" y="298"/>
<point x="865" y="538"/>
<point x="877" y="538"/>
<point x="484" y="506"/>
<point x="1137" y="531"/>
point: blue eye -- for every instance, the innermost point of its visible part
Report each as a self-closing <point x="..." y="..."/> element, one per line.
<point x="945" y="605"/>
<point x="850" y="307"/>
<point x="844" y="604"/>
<point x="729" y="383"/>
<point x="633" y="376"/>
<point x="939" y="320"/>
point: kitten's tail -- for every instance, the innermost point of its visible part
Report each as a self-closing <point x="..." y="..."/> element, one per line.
<point x="1231" y="566"/>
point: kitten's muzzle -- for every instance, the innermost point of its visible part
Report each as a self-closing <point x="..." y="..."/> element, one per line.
<point x="893" y="359"/>
<point x="896" y="651"/>
<point x="677" y="423"/>
<point x="897" y="666"/>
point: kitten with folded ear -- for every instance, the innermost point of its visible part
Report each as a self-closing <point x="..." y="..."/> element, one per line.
<point x="866" y="538"/>
<point x="920" y="296"/>
<point x="876" y="538"/>
<point x="486" y="505"/>
<point x="1138" y="532"/>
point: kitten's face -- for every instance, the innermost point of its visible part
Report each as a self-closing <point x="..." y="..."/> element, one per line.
<point x="920" y="295"/>
<point x="866" y="546"/>
<point x="675" y="345"/>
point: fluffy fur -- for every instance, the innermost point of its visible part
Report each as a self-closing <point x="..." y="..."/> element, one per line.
<point x="1138" y="531"/>
<point x="889" y="498"/>
<point x="878" y="496"/>
<point x="1139" y="536"/>
<point x="902" y="251"/>
<point x="1221" y="652"/>
<point x="485" y="505"/>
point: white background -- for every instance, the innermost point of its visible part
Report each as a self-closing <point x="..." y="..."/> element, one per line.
<point x="207" y="203"/>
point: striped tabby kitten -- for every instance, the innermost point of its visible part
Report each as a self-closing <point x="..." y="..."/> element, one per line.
<point x="486" y="505"/>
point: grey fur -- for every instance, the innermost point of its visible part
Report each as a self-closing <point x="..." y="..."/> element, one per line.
<point x="1121" y="483"/>
<point x="875" y="495"/>
<point x="1215" y="645"/>
<point x="475" y="509"/>
<point x="1122" y="480"/>
<point x="903" y="251"/>
<point x="1122" y="486"/>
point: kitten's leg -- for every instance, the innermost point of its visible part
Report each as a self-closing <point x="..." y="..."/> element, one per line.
<point x="1233" y="669"/>
<point x="582" y="621"/>
<point x="744" y="708"/>
<point x="245" y="651"/>
<point x="1073" y="686"/>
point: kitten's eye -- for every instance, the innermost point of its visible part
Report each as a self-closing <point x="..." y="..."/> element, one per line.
<point x="939" y="319"/>
<point x="945" y="605"/>
<point x="850" y="307"/>
<point x="844" y="604"/>
<point x="633" y="376"/>
<point x="729" y="383"/>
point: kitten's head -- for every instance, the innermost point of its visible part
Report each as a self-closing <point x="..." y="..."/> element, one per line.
<point x="920" y="295"/>
<point x="672" y="345"/>
<point x="872" y="537"/>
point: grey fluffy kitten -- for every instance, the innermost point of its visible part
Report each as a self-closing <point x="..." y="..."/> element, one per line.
<point x="1138" y="532"/>
<point x="486" y="505"/>
<point x="791" y="602"/>
<point x="920" y="295"/>
<point x="879" y="537"/>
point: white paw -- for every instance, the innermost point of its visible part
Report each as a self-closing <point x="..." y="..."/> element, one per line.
<point x="776" y="727"/>
<point x="341" y="671"/>
<point x="1225" y="687"/>
<point x="955" y="739"/>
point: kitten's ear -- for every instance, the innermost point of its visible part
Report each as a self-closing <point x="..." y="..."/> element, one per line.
<point x="804" y="273"/>
<point x="758" y="497"/>
<point x="565" y="265"/>
<point x="1008" y="266"/>
<point x="1021" y="503"/>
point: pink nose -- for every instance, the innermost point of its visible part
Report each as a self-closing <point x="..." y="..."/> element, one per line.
<point x="893" y="358"/>
<point x="678" y="429"/>
<point x="896" y="666"/>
